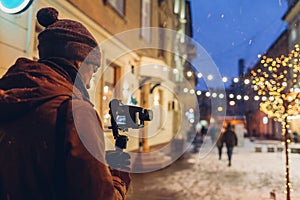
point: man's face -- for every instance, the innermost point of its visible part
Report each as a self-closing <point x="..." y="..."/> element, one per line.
<point x="86" y="71"/>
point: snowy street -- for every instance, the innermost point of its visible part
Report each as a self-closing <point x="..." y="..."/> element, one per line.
<point x="252" y="176"/>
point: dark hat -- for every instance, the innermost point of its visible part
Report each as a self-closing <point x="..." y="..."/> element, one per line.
<point x="66" y="38"/>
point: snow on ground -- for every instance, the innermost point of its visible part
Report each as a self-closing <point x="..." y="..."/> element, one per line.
<point x="252" y="176"/>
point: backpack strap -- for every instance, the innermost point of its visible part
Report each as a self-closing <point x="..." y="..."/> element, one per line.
<point x="59" y="159"/>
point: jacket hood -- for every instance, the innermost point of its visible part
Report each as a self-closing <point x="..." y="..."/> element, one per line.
<point x="28" y="84"/>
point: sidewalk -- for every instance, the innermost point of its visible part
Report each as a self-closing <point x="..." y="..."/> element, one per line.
<point x="252" y="175"/>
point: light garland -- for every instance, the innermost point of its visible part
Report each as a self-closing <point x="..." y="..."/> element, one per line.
<point x="279" y="99"/>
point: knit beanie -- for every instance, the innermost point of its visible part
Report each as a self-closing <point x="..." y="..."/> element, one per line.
<point x="66" y="38"/>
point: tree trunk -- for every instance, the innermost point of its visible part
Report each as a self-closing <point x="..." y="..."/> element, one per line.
<point x="287" y="166"/>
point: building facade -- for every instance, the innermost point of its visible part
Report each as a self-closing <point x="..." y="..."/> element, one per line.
<point x="257" y="121"/>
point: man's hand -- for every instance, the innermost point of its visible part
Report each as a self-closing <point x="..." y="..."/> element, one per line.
<point x="119" y="164"/>
<point x="118" y="160"/>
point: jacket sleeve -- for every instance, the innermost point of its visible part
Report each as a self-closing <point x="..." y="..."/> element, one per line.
<point x="87" y="175"/>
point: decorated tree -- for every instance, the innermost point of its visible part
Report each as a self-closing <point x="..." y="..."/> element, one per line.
<point x="276" y="81"/>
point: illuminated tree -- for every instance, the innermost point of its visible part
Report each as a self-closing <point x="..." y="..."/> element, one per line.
<point x="277" y="83"/>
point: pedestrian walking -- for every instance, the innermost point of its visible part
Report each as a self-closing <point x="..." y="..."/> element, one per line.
<point x="230" y="139"/>
<point x="47" y="120"/>
<point x="219" y="144"/>
<point x="192" y="139"/>
<point x="212" y="132"/>
<point x="196" y="140"/>
<point x="203" y="131"/>
<point x="295" y="135"/>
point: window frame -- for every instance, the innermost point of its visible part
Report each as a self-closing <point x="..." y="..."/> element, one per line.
<point x="114" y="6"/>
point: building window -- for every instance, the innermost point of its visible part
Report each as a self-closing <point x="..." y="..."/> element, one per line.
<point x="118" y="5"/>
<point x="111" y="76"/>
<point x="146" y="20"/>
<point x="293" y="35"/>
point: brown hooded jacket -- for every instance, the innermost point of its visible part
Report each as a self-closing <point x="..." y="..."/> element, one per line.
<point x="33" y="165"/>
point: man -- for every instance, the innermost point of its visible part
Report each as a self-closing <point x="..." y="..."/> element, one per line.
<point x="51" y="140"/>
<point x="230" y="139"/>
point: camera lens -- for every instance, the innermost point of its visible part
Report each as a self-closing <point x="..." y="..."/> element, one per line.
<point x="146" y="115"/>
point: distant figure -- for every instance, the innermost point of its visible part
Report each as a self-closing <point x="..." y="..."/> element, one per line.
<point x="230" y="139"/>
<point x="203" y="132"/>
<point x="191" y="134"/>
<point x="220" y="145"/>
<point x="273" y="195"/>
<point x="245" y="132"/>
<point x="195" y="138"/>
<point x="254" y="133"/>
<point x="213" y="133"/>
<point x="295" y="137"/>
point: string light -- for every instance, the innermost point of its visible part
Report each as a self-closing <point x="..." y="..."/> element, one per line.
<point x="235" y="80"/>
<point x="278" y="100"/>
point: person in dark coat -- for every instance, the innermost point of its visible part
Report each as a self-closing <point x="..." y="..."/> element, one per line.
<point x="295" y="134"/>
<point x="230" y="139"/>
<point x="219" y="144"/>
<point x="51" y="138"/>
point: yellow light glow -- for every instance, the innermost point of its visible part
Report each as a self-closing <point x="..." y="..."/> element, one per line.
<point x="189" y="74"/>
<point x="210" y="77"/>
<point x="246" y="81"/>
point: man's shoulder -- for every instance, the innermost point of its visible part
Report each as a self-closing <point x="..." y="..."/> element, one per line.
<point x="229" y="132"/>
<point x="83" y="108"/>
<point x="232" y="132"/>
<point x="81" y="105"/>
